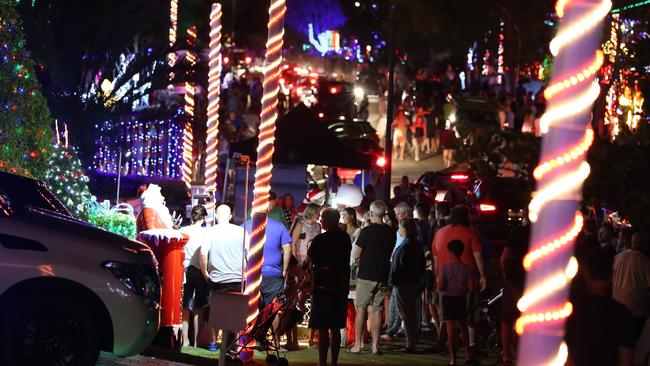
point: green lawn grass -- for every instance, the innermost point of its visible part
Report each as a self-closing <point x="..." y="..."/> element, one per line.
<point x="307" y="356"/>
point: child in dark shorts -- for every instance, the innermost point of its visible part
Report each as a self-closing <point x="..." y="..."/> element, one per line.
<point x="455" y="282"/>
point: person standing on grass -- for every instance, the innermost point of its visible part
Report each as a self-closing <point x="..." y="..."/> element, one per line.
<point x="407" y="277"/>
<point x="455" y="282"/>
<point x="372" y="252"/>
<point x="195" y="288"/>
<point x="221" y="259"/>
<point x="329" y="255"/>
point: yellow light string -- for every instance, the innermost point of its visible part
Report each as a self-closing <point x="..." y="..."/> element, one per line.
<point x="572" y="107"/>
<point x="559" y="7"/>
<point x="567" y="157"/>
<point x="585" y="74"/>
<point x="558" y="189"/>
<point x="548" y="286"/>
<point x="264" y="166"/>
<point x="553" y="314"/>
<point x="187" y="166"/>
<point x="214" y="85"/>
<point x="579" y="27"/>
<point x="548" y="248"/>
<point x="173" y="18"/>
<point x="560" y="177"/>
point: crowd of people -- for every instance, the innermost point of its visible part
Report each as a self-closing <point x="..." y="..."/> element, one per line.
<point x="373" y="272"/>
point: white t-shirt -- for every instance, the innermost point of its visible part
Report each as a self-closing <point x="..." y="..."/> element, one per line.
<point x="196" y="234"/>
<point x="223" y="244"/>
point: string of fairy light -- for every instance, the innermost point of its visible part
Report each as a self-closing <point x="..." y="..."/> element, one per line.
<point x="190" y="94"/>
<point x="561" y="173"/>
<point x="173" y="26"/>
<point x="214" y="77"/>
<point x="265" y="150"/>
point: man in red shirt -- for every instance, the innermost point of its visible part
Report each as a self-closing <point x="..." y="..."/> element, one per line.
<point x="459" y="229"/>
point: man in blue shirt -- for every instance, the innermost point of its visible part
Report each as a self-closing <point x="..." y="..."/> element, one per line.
<point x="276" y="256"/>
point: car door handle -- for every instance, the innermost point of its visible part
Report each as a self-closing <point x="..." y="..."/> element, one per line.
<point x="19" y="243"/>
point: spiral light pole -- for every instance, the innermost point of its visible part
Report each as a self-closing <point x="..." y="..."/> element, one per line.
<point x="553" y="210"/>
<point x="264" y="165"/>
<point x="214" y="85"/>
<point x="173" y="26"/>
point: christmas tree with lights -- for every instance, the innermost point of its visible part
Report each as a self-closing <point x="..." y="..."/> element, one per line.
<point x="67" y="179"/>
<point x="25" y="132"/>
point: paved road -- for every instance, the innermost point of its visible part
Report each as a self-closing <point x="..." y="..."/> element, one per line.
<point x="413" y="169"/>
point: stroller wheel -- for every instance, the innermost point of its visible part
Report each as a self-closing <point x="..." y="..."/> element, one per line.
<point x="282" y="362"/>
<point x="494" y="344"/>
<point x="271" y="359"/>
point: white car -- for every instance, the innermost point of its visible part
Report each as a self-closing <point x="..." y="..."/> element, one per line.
<point x="68" y="289"/>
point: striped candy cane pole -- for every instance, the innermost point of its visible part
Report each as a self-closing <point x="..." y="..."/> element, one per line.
<point x="214" y="84"/>
<point x="173" y="20"/>
<point x="560" y="175"/>
<point x="188" y="138"/>
<point x="264" y="166"/>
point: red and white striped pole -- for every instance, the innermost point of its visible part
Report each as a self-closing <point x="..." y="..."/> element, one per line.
<point x="264" y="165"/>
<point x="214" y="89"/>
<point x="554" y="209"/>
<point x="173" y="26"/>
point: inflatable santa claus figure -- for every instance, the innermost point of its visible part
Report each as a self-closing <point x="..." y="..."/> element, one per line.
<point x="153" y="214"/>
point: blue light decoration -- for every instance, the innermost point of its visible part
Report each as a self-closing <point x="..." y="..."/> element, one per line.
<point x="327" y="41"/>
<point x="154" y="145"/>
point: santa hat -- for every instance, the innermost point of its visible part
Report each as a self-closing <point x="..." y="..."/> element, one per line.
<point x="313" y="195"/>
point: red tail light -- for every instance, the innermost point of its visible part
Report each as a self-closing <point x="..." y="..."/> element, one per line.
<point x="487" y="207"/>
<point x="226" y="60"/>
<point x="459" y="177"/>
<point x="334" y="90"/>
<point x="381" y="162"/>
<point x="248" y="59"/>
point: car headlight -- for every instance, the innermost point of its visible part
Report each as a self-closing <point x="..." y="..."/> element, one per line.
<point x="142" y="280"/>
<point x="358" y="92"/>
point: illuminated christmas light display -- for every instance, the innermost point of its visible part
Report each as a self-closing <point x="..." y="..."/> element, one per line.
<point x="173" y="26"/>
<point x="65" y="177"/>
<point x="624" y="99"/>
<point x="155" y="147"/>
<point x="560" y="175"/>
<point x="265" y="150"/>
<point x="190" y="93"/>
<point x="187" y="164"/>
<point x="214" y="77"/>
<point x="330" y="40"/>
<point x="500" y="68"/>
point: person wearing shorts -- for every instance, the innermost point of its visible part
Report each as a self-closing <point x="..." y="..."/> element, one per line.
<point x="372" y="252"/>
<point x="221" y="260"/>
<point x="455" y="282"/>
<point x="195" y="288"/>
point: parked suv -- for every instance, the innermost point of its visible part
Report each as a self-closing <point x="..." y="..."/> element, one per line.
<point x="68" y="289"/>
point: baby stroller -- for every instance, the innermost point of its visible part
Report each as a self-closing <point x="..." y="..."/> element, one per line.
<point x="487" y="323"/>
<point x="262" y="327"/>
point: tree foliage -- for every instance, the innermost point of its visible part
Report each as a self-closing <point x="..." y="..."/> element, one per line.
<point x="25" y="133"/>
<point x="66" y="177"/>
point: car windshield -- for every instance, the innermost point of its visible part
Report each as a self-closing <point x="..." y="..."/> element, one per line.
<point x="31" y="193"/>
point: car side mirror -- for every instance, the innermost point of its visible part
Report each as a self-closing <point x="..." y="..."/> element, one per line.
<point x="6" y="209"/>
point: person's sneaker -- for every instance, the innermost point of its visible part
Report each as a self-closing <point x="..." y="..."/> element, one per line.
<point x="213" y="347"/>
